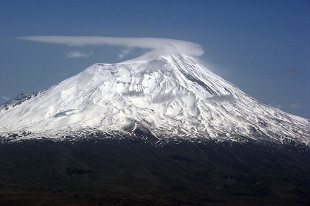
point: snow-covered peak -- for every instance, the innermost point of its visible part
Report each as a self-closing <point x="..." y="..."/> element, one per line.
<point x="169" y="96"/>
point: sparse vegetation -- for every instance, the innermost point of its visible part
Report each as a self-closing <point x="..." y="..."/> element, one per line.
<point x="126" y="172"/>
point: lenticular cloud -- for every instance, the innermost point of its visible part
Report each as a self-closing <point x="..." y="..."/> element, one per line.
<point x="184" y="47"/>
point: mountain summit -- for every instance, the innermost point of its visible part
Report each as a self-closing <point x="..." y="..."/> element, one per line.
<point x="167" y="97"/>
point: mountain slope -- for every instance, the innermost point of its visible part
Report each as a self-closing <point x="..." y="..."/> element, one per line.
<point x="124" y="172"/>
<point x="171" y="96"/>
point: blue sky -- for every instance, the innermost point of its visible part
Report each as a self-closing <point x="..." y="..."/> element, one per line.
<point x="263" y="47"/>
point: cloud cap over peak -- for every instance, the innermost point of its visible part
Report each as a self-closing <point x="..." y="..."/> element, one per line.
<point x="173" y="45"/>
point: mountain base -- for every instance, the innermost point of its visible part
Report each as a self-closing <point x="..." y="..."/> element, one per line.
<point x="128" y="172"/>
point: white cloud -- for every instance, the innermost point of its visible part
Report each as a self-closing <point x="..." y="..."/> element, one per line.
<point x="124" y="52"/>
<point x="167" y="45"/>
<point x="62" y="74"/>
<point x="5" y="98"/>
<point x="279" y="106"/>
<point x="296" y="105"/>
<point x="78" y="54"/>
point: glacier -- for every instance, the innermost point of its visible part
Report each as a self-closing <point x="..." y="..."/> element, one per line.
<point x="170" y="96"/>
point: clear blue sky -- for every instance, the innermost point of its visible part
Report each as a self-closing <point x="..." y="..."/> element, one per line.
<point x="263" y="47"/>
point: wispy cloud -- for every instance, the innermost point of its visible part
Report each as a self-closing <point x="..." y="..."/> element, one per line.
<point x="77" y="54"/>
<point x="279" y="106"/>
<point x="5" y="98"/>
<point x="296" y="105"/>
<point x="170" y="45"/>
<point x="62" y="74"/>
<point x="124" y="52"/>
<point x="290" y="70"/>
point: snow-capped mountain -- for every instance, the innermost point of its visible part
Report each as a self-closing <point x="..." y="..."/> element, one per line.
<point x="168" y="96"/>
